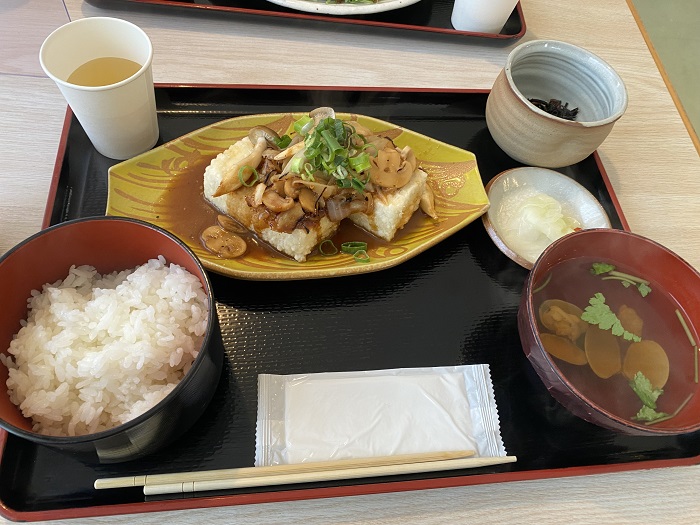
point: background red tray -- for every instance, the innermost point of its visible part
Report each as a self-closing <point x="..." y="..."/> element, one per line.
<point x="428" y="17"/>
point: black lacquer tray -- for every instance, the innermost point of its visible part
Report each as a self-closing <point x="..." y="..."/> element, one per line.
<point x="454" y="304"/>
<point x="429" y="18"/>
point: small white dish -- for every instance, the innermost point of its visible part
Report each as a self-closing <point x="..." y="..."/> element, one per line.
<point x="320" y="7"/>
<point x="514" y="194"/>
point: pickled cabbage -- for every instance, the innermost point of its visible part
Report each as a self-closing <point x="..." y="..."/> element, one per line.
<point x="535" y="222"/>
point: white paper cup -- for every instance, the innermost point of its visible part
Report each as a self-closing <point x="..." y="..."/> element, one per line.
<point x="482" y="16"/>
<point x="120" y="119"/>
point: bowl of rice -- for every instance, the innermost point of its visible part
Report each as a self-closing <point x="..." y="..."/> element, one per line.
<point x="110" y="346"/>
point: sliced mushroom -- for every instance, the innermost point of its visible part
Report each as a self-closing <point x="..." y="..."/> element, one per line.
<point x="380" y="142"/>
<point x="258" y="132"/>
<point x="287" y="220"/>
<point x="231" y="180"/>
<point x="427" y="202"/>
<point x="288" y="166"/>
<point x="290" y="188"/>
<point x="258" y="194"/>
<point x="319" y="114"/>
<point x="562" y="318"/>
<point x="308" y="200"/>
<point x="290" y="151"/>
<point x="384" y="167"/>
<point x="409" y="159"/>
<point x="603" y="352"/>
<point x="325" y="190"/>
<point x="630" y="320"/>
<point x="227" y="223"/>
<point x="223" y="243"/>
<point x="275" y="202"/>
<point x="343" y="205"/>
<point x="359" y="128"/>
<point x="407" y="168"/>
<point x="563" y="349"/>
<point x="649" y="358"/>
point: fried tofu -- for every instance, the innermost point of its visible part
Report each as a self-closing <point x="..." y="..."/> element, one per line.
<point x="393" y="211"/>
<point x="297" y="244"/>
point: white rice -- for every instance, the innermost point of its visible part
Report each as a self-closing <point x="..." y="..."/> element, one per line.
<point x="99" y="350"/>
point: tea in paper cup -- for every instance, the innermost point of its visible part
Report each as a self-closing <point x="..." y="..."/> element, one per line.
<point x="102" y="66"/>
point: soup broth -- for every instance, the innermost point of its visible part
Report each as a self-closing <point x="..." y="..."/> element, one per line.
<point x="573" y="282"/>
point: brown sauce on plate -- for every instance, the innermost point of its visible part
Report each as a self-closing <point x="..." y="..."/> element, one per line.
<point x="191" y="214"/>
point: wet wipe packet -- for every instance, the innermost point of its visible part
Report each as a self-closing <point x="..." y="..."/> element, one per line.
<point x="344" y="415"/>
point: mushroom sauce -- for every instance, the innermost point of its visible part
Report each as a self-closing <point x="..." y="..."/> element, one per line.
<point x="194" y="214"/>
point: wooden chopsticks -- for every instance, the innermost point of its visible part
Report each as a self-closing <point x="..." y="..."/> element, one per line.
<point x="187" y="482"/>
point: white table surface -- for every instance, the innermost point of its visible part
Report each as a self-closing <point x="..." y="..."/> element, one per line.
<point x="650" y="157"/>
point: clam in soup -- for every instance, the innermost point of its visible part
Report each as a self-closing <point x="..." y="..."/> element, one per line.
<point x="620" y="340"/>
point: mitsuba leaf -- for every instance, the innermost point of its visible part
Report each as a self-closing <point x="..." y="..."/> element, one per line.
<point x="644" y="289"/>
<point x="599" y="313"/>
<point x="649" y="414"/>
<point x="644" y="390"/>
<point x="600" y="268"/>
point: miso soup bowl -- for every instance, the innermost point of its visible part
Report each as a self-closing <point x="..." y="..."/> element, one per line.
<point x="545" y="70"/>
<point x="108" y="244"/>
<point x="610" y="402"/>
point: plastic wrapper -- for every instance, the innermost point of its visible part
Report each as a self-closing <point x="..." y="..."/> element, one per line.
<point x="342" y="415"/>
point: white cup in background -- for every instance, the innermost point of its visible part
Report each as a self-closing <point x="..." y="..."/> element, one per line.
<point x="482" y="16"/>
<point x="120" y="117"/>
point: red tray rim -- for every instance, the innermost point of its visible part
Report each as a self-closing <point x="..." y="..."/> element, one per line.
<point x="196" y="501"/>
<point x="338" y="20"/>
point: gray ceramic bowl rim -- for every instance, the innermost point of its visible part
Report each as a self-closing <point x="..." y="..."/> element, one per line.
<point x="66" y="440"/>
<point x="553" y="44"/>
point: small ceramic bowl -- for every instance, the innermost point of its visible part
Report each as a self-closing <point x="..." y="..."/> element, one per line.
<point x="552" y="70"/>
<point x="108" y="244"/>
<point x="589" y="367"/>
<point x="517" y="194"/>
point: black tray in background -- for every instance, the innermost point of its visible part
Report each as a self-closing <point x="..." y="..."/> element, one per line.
<point x="428" y="17"/>
<point x="454" y="304"/>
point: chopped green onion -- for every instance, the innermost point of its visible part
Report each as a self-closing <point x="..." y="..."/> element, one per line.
<point x="353" y="247"/>
<point x="360" y="162"/>
<point x="300" y="126"/>
<point x="357" y="184"/>
<point x="243" y="171"/>
<point x="361" y="256"/>
<point x="666" y="418"/>
<point x="308" y="172"/>
<point x="628" y="277"/>
<point x="333" y="147"/>
<point x="332" y="250"/>
<point x="545" y="283"/>
<point x="283" y="141"/>
<point x="296" y="164"/>
<point x="691" y="339"/>
<point x="685" y="328"/>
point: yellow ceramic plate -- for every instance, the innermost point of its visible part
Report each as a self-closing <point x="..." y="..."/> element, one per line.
<point x="151" y="187"/>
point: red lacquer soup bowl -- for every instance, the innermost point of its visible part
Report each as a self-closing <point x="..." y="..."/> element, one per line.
<point x="609" y="320"/>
